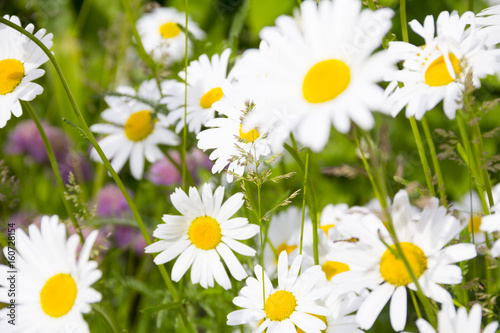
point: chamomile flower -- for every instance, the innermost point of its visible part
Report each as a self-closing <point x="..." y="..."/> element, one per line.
<point x="203" y="234"/>
<point x="135" y="130"/>
<point x="436" y="71"/>
<point x="287" y="308"/>
<point x="163" y="38"/>
<point x="422" y="239"/>
<point x="227" y="136"/>
<point x="20" y="58"/>
<point x="54" y="286"/>
<point x="320" y="68"/>
<point x="453" y="321"/>
<point x="489" y="21"/>
<point x="205" y="77"/>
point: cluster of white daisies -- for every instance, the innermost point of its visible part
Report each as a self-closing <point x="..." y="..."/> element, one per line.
<point x="318" y="68"/>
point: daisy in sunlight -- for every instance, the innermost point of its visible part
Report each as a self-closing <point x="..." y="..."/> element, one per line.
<point x="373" y="265"/>
<point x="320" y="69"/>
<point x="54" y="286"/>
<point x="203" y="234"/>
<point x="227" y="135"/>
<point x="19" y="61"/>
<point x="163" y="38"/>
<point x="135" y="130"/>
<point x="289" y="307"/>
<point x="205" y="77"/>
<point x="437" y="70"/>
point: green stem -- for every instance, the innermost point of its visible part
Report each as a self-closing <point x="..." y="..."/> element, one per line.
<point x="382" y="195"/>
<point x="471" y="161"/>
<point x="114" y="175"/>
<point x="304" y="203"/>
<point x="415" y="304"/>
<point x="423" y="157"/>
<point x="404" y="24"/>
<point x="371" y="5"/>
<point x="184" y="130"/>
<point x="55" y="167"/>
<point x="261" y="228"/>
<point x="435" y="162"/>
<point x="311" y="198"/>
<point x="381" y="200"/>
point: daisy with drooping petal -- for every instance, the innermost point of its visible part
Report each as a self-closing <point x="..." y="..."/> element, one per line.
<point x="136" y="131"/>
<point x="437" y="70"/>
<point x="205" y="77"/>
<point x="20" y="58"/>
<point x="489" y="22"/>
<point x="422" y="239"/>
<point x="203" y="234"/>
<point x="162" y="37"/>
<point x="453" y="321"/>
<point x="320" y="68"/>
<point x="228" y="137"/>
<point x="54" y="287"/>
<point x="287" y="308"/>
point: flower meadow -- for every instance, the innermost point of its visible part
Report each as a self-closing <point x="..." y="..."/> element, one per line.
<point x="250" y="166"/>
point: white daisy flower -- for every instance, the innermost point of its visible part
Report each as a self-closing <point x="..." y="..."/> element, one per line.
<point x="292" y="305"/>
<point x="204" y="78"/>
<point x="228" y="137"/>
<point x="134" y="133"/>
<point x="453" y="321"/>
<point x="54" y="287"/>
<point x="434" y="71"/>
<point x="284" y="235"/>
<point x="374" y="266"/>
<point x="20" y="58"/>
<point x="489" y="21"/>
<point x="320" y="68"/>
<point x="202" y="234"/>
<point x="162" y="37"/>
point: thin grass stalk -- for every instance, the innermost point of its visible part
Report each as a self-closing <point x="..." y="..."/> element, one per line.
<point x="435" y="162"/>
<point x="311" y="198"/>
<point x="55" y="168"/>
<point x="86" y="130"/>
<point x="382" y="195"/>
<point x="423" y="157"/>
<point x="304" y="204"/>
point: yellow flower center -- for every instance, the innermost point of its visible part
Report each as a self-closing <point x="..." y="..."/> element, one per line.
<point x="249" y="136"/>
<point x="58" y="295"/>
<point x="205" y="233"/>
<point x="326" y="228"/>
<point x="323" y="319"/>
<point x="437" y="73"/>
<point x="474" y="224"/>
<point x="393" y="269"/>
<point x="11" y="74"/>
<point x="280" y="305"/>
<point x="211" y="97"/>
<point x="170" y="30"/>
<point x="139" y="125"/>
<point x="285" y="247"/>
<point x="325" y="81"/>
<point x="332" y="268"/>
